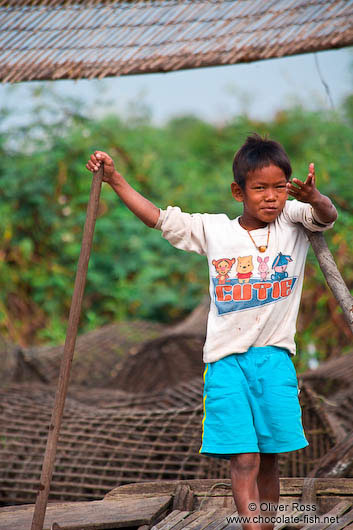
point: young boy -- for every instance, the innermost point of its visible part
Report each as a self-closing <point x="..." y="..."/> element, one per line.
<point x="256" y="264"/>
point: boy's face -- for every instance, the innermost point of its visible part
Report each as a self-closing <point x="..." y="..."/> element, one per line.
<point x="263" y="197"/>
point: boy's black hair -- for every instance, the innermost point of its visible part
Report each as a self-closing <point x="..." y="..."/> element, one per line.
<point x="257" y="153"/>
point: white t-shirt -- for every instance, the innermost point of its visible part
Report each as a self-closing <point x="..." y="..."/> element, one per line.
<point x="255" y="296"/>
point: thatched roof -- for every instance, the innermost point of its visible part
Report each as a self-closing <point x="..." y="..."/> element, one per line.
<point x="111" y="437"/>
<point x="332" y="381"/>
<point x="187" y="394"/>
<point x="98" y="449"/>
<point x="58" y="39"/>
<point x="331" y="376"/>
<point x="97" y="355"/>
<point x="136" y="356"/>
<point x="161" y="363"/>
<point x="143" y="424"/>
<point x="338" y="461"/>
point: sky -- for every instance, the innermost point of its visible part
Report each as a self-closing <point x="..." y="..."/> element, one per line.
<point x="216" y="93"/>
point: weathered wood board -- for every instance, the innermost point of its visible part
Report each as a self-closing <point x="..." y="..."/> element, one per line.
<point x="165" y="505"/>
<point x="339" y="518"/>
<point x="211" y="493"/>
<point x="213" y="504"/>
<point x="289" y="487"/>
<point x="211" y="519"/>
<point x="97" y="515"/>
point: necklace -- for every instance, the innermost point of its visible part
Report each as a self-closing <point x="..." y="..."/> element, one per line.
<point x="261" y="248"/>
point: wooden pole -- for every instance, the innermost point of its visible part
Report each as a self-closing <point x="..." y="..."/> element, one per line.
<point x="71" y="333"/>
<point x="332" y="275"/>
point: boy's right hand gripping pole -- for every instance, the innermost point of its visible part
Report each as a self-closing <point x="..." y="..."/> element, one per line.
<point x="332" y="275"/>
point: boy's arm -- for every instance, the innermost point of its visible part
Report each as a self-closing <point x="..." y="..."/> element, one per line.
<point x="323" y="209"/>
<point x="139" y="205"/>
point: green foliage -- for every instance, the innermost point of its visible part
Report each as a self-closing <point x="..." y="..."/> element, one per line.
<point x="133" y="272"/>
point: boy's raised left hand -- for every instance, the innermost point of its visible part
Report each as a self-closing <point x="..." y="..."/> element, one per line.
<point x="307" y="191"/>
<point x="304" y="191"/>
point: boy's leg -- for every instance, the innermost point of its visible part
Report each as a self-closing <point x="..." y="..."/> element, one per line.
<point x="268" y="478"/>
<point x="244" y="469"/>
<point x="268" y="486"/>
<point x="255" y="479"/>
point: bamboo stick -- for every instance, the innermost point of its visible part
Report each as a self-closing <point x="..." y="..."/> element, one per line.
<point x="71" y="333"/>
<point x="332" y="275"/>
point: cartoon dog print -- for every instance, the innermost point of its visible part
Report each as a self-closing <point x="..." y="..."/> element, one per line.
<point x="223" y="266"/>
<point x="244" y="268"/>
<point x="279" y="265"/>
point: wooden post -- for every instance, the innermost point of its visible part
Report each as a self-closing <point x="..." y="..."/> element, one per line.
<point x="332" y="275"/>
<point x="71" y="333"/>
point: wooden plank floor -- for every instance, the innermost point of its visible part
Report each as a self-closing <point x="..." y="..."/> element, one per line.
<point x="339" y="518"/>
<point x="135" y="511"/>
<point x="194" y="505"/>
<point x="215" y="519"/>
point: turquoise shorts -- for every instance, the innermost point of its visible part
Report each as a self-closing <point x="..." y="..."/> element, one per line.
<point x="251" y="404"/>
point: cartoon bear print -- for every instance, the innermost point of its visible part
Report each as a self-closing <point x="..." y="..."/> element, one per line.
<point x="244" y="268"/>
<point x="223" y="266"/>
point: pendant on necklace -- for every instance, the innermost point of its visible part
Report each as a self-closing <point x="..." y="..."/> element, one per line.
<point x="261" y="248"/>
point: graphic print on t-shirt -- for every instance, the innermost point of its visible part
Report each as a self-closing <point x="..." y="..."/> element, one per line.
<point x="223" y="266"/>
<point x="251" y="288"/>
